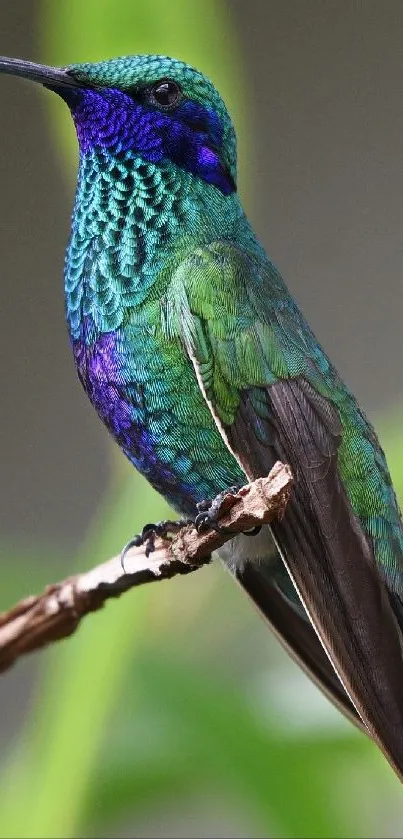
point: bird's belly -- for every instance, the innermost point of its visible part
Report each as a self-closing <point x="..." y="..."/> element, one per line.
<point x="259" y="549"/>
<point x="147" y="395"/>
<point x="261" y="552"/>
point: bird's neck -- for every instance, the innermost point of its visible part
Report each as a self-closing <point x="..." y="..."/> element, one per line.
<point x="131" y="219"/>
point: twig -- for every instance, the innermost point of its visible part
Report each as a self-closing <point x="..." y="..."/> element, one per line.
<point x="39" y="620"/>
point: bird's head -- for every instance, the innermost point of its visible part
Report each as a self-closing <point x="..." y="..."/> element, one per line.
<point x="153" y="106"/>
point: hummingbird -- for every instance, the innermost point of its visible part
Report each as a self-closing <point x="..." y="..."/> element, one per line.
<point x="201" y="365"/>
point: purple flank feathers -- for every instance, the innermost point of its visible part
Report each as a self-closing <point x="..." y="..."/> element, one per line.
<point x="99" y="372"/>
<point x="100" y="369"/>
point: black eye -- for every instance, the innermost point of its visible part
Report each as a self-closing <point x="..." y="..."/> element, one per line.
<point x="165" y="93"/>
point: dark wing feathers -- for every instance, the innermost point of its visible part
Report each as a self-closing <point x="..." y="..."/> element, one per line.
<point x="254" y="437"/>
<point x="332" y="564"/>
<point x="253" y="364"/>
<point x="296" y="634"/>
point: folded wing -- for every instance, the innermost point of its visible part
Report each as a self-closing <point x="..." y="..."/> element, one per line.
<point x="270" y="389"/>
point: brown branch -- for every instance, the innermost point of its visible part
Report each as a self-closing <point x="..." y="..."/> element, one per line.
<point x="39" y="620"/>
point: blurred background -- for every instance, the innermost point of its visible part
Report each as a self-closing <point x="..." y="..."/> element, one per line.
<point x="174" y="712"/>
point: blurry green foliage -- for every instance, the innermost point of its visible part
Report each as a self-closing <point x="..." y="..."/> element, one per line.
<point x="153" y="703"/>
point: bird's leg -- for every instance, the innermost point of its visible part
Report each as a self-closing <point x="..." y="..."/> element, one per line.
<point x="209" y="513"/>
<point x="149" y="533"/>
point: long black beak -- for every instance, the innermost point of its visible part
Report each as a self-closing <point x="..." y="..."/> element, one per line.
<point x="53" y="77"/>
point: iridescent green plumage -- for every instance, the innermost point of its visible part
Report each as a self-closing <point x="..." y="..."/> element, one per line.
<point x="201" y="365"/>
<point x="245" y="332"/>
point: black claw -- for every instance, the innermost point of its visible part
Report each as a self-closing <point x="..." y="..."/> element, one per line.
<point x="209" y="512"/>
<point x="148" y="534"/>
<point x="201" y="521"/>
<point x="203" y="506"/>
<point x="205" y="521"/>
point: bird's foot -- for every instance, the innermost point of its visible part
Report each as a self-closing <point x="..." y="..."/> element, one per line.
<point x="150" y="532"/>
<point x="209" y="513"/>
